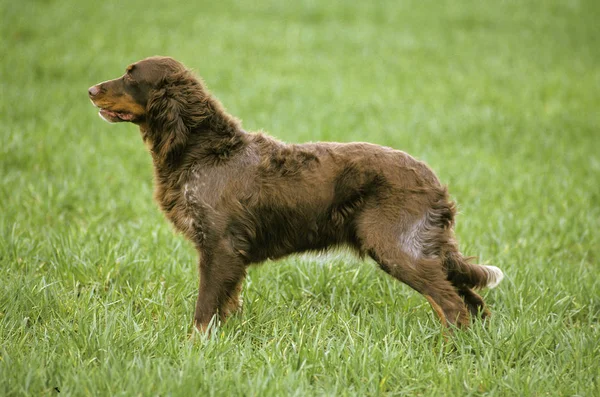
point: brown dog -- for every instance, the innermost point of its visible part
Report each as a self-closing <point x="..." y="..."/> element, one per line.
<point x="243" y="198"/>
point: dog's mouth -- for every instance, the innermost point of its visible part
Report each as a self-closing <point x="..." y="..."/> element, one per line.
<point x="115" y="117"/>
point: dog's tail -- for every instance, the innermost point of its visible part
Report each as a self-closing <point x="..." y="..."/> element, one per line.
<point x="463" y="273"/>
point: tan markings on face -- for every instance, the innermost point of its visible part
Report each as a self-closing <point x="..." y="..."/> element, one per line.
<point x="122" y="103"/>
<point x="126" y="103"/>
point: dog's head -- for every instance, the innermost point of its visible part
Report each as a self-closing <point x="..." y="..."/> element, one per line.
<point x="161" y="96"/>
<point x="127" y="97"/>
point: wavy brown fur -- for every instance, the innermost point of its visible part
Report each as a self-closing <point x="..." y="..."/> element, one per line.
<point x="243" y="198"/>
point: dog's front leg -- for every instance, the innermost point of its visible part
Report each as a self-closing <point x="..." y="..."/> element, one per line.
<point x="221" y="274"/>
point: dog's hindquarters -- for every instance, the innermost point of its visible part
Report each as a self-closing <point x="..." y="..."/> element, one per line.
<point x="414" y="242"/>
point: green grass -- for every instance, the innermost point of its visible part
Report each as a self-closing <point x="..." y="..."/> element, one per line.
<point x="500" y="98"/>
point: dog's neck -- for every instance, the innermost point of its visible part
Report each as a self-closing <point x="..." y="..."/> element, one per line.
<point x="212" y="142"/>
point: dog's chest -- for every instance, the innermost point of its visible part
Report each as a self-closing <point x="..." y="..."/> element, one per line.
<point x="200" y="200"/>
<point x="197" y="201"/>
<point x="205" y="187"/>
<point x="193" y="206"/>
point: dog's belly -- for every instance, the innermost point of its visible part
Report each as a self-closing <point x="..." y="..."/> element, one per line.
<point x="296" y="217"/>
<point x="274" y="232"/>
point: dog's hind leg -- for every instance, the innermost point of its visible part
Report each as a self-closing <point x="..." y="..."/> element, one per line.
<point x="426" y="276"/>
<point x="465" y="276"/>
<point x="383" y="241"/>
<point x="474" y="302"/>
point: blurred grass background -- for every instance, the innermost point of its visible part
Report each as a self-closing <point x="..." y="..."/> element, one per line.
<point x="500" y="98"/>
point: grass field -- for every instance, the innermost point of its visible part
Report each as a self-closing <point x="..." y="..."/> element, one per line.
<point x="500" y="98"/>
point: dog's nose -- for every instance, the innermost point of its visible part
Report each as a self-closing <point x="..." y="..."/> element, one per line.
<point x="93" y="90"/>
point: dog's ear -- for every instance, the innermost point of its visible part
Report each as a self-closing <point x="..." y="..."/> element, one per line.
<point x="174" y="109"/>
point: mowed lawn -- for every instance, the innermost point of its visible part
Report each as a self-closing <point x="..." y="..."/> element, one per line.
<point x="502" y="99"/>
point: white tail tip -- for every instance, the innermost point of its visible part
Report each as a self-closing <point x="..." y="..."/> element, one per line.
<point x="495" y="275"/>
